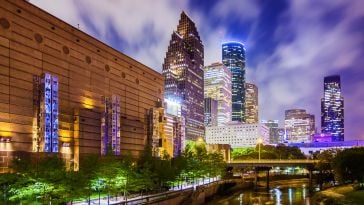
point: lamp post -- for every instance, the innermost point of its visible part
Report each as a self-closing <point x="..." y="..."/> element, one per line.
<point x="259" y="143"/>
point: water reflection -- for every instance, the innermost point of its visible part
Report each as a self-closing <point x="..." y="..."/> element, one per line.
<point x="277" y="195"/>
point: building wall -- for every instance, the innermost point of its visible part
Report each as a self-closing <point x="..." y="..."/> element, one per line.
<point x="33" y="42"/>
<point x="237" y="134"/>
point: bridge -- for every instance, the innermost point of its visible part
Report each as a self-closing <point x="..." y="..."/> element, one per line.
<point x="267" y="164"/>
<point x="271" y="163"/>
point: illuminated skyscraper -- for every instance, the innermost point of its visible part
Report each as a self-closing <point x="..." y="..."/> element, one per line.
<point x="217" y="87"/>
<point x="183" y="75"/>
<point x="233" y="57"/>
<point x="299" y="125"/>
<point x="332" y="108"/>
<point x="251" y="103"/>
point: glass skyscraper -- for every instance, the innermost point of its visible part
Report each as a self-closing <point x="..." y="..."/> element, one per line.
<point x="332" y="108"/>
<point x="217" y="86"/>
<point x="233" y="57"/>
<point x="183" y="75"/>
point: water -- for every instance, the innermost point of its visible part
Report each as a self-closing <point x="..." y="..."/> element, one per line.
<point x="288" y="193"/>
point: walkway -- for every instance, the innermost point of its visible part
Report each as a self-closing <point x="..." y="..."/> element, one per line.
<point x="139" y="199"/>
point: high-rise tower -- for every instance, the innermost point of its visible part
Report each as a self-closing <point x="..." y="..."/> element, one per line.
<point x="233" y="57"/>
<point x="183" y="75"/>
<point x="332" y="108"/>
<point x="251" y="103"/>
<point x="217" y="86"/>
<point x="299" y="125"/>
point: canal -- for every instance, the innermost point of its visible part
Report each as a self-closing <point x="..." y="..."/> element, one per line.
<point x="285" y="192"/>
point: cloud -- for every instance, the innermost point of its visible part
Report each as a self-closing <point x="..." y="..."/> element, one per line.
<point x="246" y="10"/>
<point x="140" y="28"/>
<point x="293" y="74"/>
<point x="224" y="13"/>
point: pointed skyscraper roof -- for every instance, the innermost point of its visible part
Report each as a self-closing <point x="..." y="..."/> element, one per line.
<point x="187" y="27"/>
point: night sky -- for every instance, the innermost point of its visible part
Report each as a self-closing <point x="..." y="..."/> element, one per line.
<point x="291" y="45"/>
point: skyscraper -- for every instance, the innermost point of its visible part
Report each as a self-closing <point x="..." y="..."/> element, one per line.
<point x="210" y="111"/>
<point x="183" y="75"/>
<point x="275" y="133"/>
<point x="233" y="57"/>
<point x="217" y="86"/>
<point x="332" y="108"/>
<point x="251" y="103"/>
<point x="299" y="125"/>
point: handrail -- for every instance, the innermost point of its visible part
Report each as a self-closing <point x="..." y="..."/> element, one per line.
<point x="279" y="161"/>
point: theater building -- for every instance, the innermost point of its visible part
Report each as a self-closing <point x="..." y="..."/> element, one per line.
<point x="65" y="92"/>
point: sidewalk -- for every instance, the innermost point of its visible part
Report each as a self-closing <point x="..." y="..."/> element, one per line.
<point x="120" y="199"/>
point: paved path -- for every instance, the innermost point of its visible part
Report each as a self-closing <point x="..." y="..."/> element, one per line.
<point x="120" y="199"/>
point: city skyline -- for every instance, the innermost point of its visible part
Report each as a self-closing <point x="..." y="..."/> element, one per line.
<point x="300" y="49"/>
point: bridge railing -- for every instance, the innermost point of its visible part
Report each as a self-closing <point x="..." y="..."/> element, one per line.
<point x="274" y="161"/>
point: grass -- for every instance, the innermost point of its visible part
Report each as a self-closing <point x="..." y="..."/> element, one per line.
<point x="340" y="195"/>
<point x="356" y="197"/>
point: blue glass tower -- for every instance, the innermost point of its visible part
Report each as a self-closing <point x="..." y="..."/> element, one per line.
<point x="332" y="108"/>
<point x="233" y="57"/>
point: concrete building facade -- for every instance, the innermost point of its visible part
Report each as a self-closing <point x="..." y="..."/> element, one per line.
<point x="34" y="44"/>
<point x="237" y="134"/>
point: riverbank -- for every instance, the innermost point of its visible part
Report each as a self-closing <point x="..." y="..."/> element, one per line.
<point x="342" y="195"/>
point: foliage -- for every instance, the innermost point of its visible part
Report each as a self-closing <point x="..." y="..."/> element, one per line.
<point x="348" y="165"/>
<point x="46" y="179"/>
<point x="268" y="152"/>
<point x="325" y="165"/>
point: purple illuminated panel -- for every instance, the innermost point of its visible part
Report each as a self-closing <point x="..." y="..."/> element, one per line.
<point x="54" y="115"/>
<point x="115" y="124"/>
<point x="49" y="113"/>
<point x="105" y="127"/>
<point x="110" y="135"/>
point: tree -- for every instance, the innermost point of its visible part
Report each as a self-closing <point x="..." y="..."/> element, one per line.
<point x="348" y="165"/>
<point x="324" y="165"/>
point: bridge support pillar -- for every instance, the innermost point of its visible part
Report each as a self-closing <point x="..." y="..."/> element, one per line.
<point x="256" y="179"/>
<point x="310" y="180"/>
<point x="268" y="179"/>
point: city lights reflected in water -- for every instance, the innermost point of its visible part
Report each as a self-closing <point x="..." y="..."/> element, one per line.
<point x="279" y="195"/>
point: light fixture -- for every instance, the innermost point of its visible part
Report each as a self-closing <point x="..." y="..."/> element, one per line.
<point x="5" y="139"/>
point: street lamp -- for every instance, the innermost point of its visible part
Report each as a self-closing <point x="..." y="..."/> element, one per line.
<point x="260" y="141"/>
